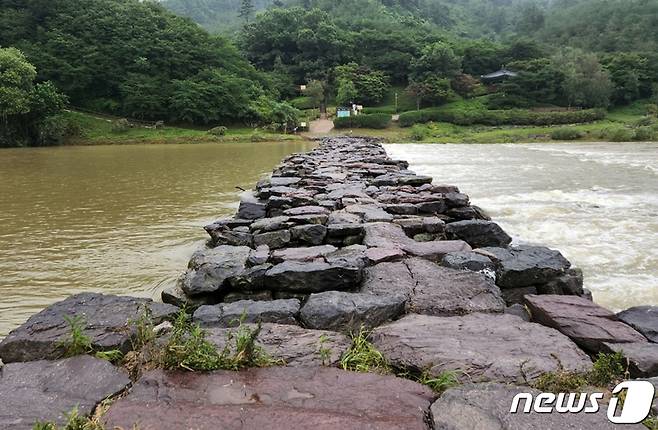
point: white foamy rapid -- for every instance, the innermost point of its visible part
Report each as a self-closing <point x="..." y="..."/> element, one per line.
<point x="597" y="203"/>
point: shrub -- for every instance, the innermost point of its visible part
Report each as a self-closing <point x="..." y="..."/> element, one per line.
<point x="499" y="117"/>
<point x="643" y="122"/>
<point x="303" y="103"/>
<point x="383" y="109"/>
<point x="419" y="132"/>
<point x="218" y="131"/>
<point x="618" y="134"/>
<point x="507" y="101"/>
<point x="607" y="369"/>
<point x="566" y="134"/>
<point x="375" y="120"/>
<point x="54" y="130"/>
<point x="258" y="137"/>
<point x="644" y="134"/>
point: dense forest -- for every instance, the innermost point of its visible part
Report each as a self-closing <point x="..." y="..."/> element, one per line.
<point x="223" y="62"/>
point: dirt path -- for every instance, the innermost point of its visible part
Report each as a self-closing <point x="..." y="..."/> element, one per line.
<point x="320" y="127"/>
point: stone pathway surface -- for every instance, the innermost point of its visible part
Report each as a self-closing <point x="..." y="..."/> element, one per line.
<point x="337" y="239"/>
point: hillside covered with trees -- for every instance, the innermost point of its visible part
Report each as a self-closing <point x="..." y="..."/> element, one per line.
<point x="138" y="59"/>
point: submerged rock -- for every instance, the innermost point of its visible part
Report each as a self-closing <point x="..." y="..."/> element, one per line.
<point x="108" y="321"/>
<point x="272" y="398"/>
<point x="47" y="390"/>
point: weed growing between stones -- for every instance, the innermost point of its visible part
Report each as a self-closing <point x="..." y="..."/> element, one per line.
<point x="651" y="423"/>
<point x="188" y="349"/>
<point x="440" y="383"/>
<point x="73" y="422"/>
<point x="363" y="356"/>
<point x="608" y="369"/>
<point x="78" y="343"/>
<point x="323" y="351"/>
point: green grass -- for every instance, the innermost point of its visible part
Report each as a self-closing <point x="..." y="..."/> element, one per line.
<point x="363" y="356"/>
<point x="97" y="130"/>
<point x="608" y="370"/>
<point x="78" y="342"/>
<point x="74" y="421"/>
<point x="406" y="102"/>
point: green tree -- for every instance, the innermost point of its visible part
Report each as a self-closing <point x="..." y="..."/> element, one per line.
<point x="433" y="89"/>
<point x="586" y="83"/>
<point x="370" y="86"/>
<point x="247" y="10"/>
<point x="437" y="59"/>
<point x="316" y="91"/>
<point x="25" y="107"/>
<point x="346" y="92"/>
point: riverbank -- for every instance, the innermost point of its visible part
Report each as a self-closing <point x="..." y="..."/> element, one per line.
<point x="101" y="130"/>
<point x="381" y="299"/>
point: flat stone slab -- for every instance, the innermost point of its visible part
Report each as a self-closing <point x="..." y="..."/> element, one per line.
<point x="47" y="390"/>
<point x="643" y="319"/>
<point x="642" y="357"/>
<point x="436" y="249"/>
<point x="272" y="398"/>
<point x="347" y="312"/>
<point x="586" y="323"/>
<point x="302" y="254"/>
<point x="296" y="346"/>
<point x="523" y="266"/>
<point x="249" y="311"/>
<point x="441" y="291"/>
<point x="388" y="279"/>
<point x="485" y="347"/>
<point x="487" y="407"/>
<point x="107" y="321"/>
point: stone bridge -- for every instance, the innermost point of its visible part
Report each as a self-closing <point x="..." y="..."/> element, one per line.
<point x="339" y="240"/>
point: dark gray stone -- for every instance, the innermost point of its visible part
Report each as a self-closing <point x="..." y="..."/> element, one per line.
<point x="517" y="295"/>
<point x="249" y="311"/>
<point x="344" y="230"/>
<point x="48" y="390"/>
<point x="469" y="261"/>
<point x="586" y="323"/>
<point x="519" y="311"/>
<point x="247" y="295"/>
<point x="274" y="239"/>
<point x="432" y="207"/>
<point x="209" y="269"/>
<point x="312" y="234"/>
<point x="349" y="256"/>
<point x="487" y="407"/>
<point x="436" y="249"/>
<point x="479" y="347"/>
<point x="302" y="254"/>
<point x="642" y="357"/>
<point x="478" y="234"/>
<point x="252" y="278"/>
<point x="347" y="312"/>
<point x="388" y="279"/>
<point x="272" y="398"/>
<point x="108" y="321"/>
<point x="174" y="295"/>
<point x="401" y="209"/>
<point x="524" y="266"/>
<point x="251" y="209"/>
<point x="643" y="319"/>
<point x="312" y="277"/>
<point x="307" y="210"/>
<point x="441" y="291"/>
<point x="259" y="256"/>
<point x="270" y="224"/>
<point x="571" y="283"/>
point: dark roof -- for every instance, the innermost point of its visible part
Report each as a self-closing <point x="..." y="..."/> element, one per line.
<point x="502" y="73"/>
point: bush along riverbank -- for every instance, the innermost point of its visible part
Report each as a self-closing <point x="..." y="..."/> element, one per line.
<point x="347" y="292"/>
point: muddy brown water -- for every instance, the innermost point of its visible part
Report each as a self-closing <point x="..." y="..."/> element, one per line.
<point x="114" y="219"/>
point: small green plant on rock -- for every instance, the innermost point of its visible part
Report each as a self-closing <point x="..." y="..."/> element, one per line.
<point x="113" y="356"/>
<point x="188" y="348"/>
<point x="607" y="369"/>
<point x="439" y="383"/>
<point x="74" y="421"/>
<point x="323" y="351"/>
<point x="651" y="423"/>
<point x="78" y="342"/>
<point x="560" y="381"/>
<point x="363" y="356"/>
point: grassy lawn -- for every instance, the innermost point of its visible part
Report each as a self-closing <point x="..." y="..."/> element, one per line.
<point x="96" y="130"/>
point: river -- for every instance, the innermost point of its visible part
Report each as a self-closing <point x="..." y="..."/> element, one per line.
<point x="125" y="219"/>
<point x="115" y="219"/>
<point x="597" y="203"/>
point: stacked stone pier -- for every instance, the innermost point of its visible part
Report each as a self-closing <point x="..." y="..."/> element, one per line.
<point x="338" y="240"/>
